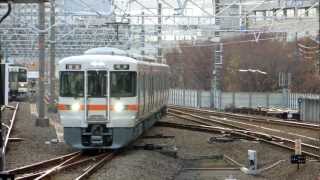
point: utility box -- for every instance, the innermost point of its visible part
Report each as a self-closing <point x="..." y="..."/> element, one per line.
<point x="253" y="161"/>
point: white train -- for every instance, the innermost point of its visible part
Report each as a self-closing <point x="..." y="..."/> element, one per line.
<point x="107" y="99"/>
<point x="18" y="82"/>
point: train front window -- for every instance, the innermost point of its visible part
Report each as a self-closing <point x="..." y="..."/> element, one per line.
<point x="13" y="76"/>
<point x="71" y="84"/>
<point x="97" y="83"/>
<point x="123" y="84"/>
<point x="22" y="77"/>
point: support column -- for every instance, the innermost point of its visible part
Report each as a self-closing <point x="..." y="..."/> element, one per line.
<point x="41" y="120"/>
<point x="295" y="11"/>
<point x="233" y="100"/>
<point x="129" y="35"/>
<point x="306" y="13"/>
<point x="215" y="94"/>
<point x="285" y="14"/>
<point x="240" y="15"/>
<point x="52" y="53"/>
<point x="159" y="59"/>
<point x="264" y="14"/>
<point x="250" y="99"/>
<point x="142" y="43"/>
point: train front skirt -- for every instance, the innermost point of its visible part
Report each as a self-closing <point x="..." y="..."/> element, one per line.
<point x="98" y="136"/>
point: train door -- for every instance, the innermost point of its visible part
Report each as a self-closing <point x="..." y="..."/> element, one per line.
<point x="97" y="100"/>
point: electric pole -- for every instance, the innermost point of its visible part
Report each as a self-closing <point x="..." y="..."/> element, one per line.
<point x="52" y="53"/>
<point x="41" y="120"/>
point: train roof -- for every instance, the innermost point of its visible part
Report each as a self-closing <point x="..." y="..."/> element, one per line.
<point x="105" y="51"/>
<point x="113" y="59"/>
<point x="119" y="52"/>
<point x="17" y="65"/>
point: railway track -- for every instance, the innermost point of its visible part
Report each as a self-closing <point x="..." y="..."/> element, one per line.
<point x="259" y="119"/>
<point x="51" y="167"/>
<point x="306" y="134"/>
<point x="9" y="128"/>
<point x="206" y="124"/>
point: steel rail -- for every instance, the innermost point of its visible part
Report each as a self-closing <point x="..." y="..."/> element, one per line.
<point x="253" y="125"/>
<point x="12" y="121"/>
<point x="177" y="112"/>
<point x="250" y="118"/>
<point x="233" y="126"/>
<point x="64" y="167"/>
<point x="52" y="170"/>
<point x="96" y="166"/>
<point x="267" y="138"/>
<point x="38" y="165"/>
<point x="203" y="128"/>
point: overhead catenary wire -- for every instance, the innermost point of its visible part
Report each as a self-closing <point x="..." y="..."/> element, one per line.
<point x="7" y="13"/>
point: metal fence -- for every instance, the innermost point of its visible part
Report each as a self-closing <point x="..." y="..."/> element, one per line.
<point x="222" y="100"/>
<point x="310" y="110"/>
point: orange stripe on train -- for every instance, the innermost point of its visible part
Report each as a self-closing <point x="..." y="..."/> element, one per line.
<point x="97" y="107"/>
<point x="62" y="107"/>
<point x="132" y="107"/>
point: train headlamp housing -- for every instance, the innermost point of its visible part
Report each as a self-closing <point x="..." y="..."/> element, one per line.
<point x="75" y="107"/>
<point x="119" y="107"/>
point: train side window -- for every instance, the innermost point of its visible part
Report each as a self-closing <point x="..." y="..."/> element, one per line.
<point x="148" y="92"/>
<point x="162" y="88"/>
<point x="141" y="91"/>
<point x="141" y="84"/>
<point x="152" y="90"/>
<point x="155" y="82"/>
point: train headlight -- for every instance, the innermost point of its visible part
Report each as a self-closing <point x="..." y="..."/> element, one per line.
<point x="119" y="106"/>
<point x="22" y="85"/>
<point x="75" y="107"/>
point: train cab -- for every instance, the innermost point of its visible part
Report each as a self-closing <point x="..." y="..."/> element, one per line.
<point x="99" y="100"/>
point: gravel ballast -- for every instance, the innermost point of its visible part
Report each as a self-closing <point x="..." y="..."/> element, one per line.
<point x="134" y="164"/>
<point x="37" y="144"/>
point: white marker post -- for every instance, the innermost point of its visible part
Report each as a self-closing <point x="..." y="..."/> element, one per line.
<point x="297" y="150"/>
<point x="297" y="147"/>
